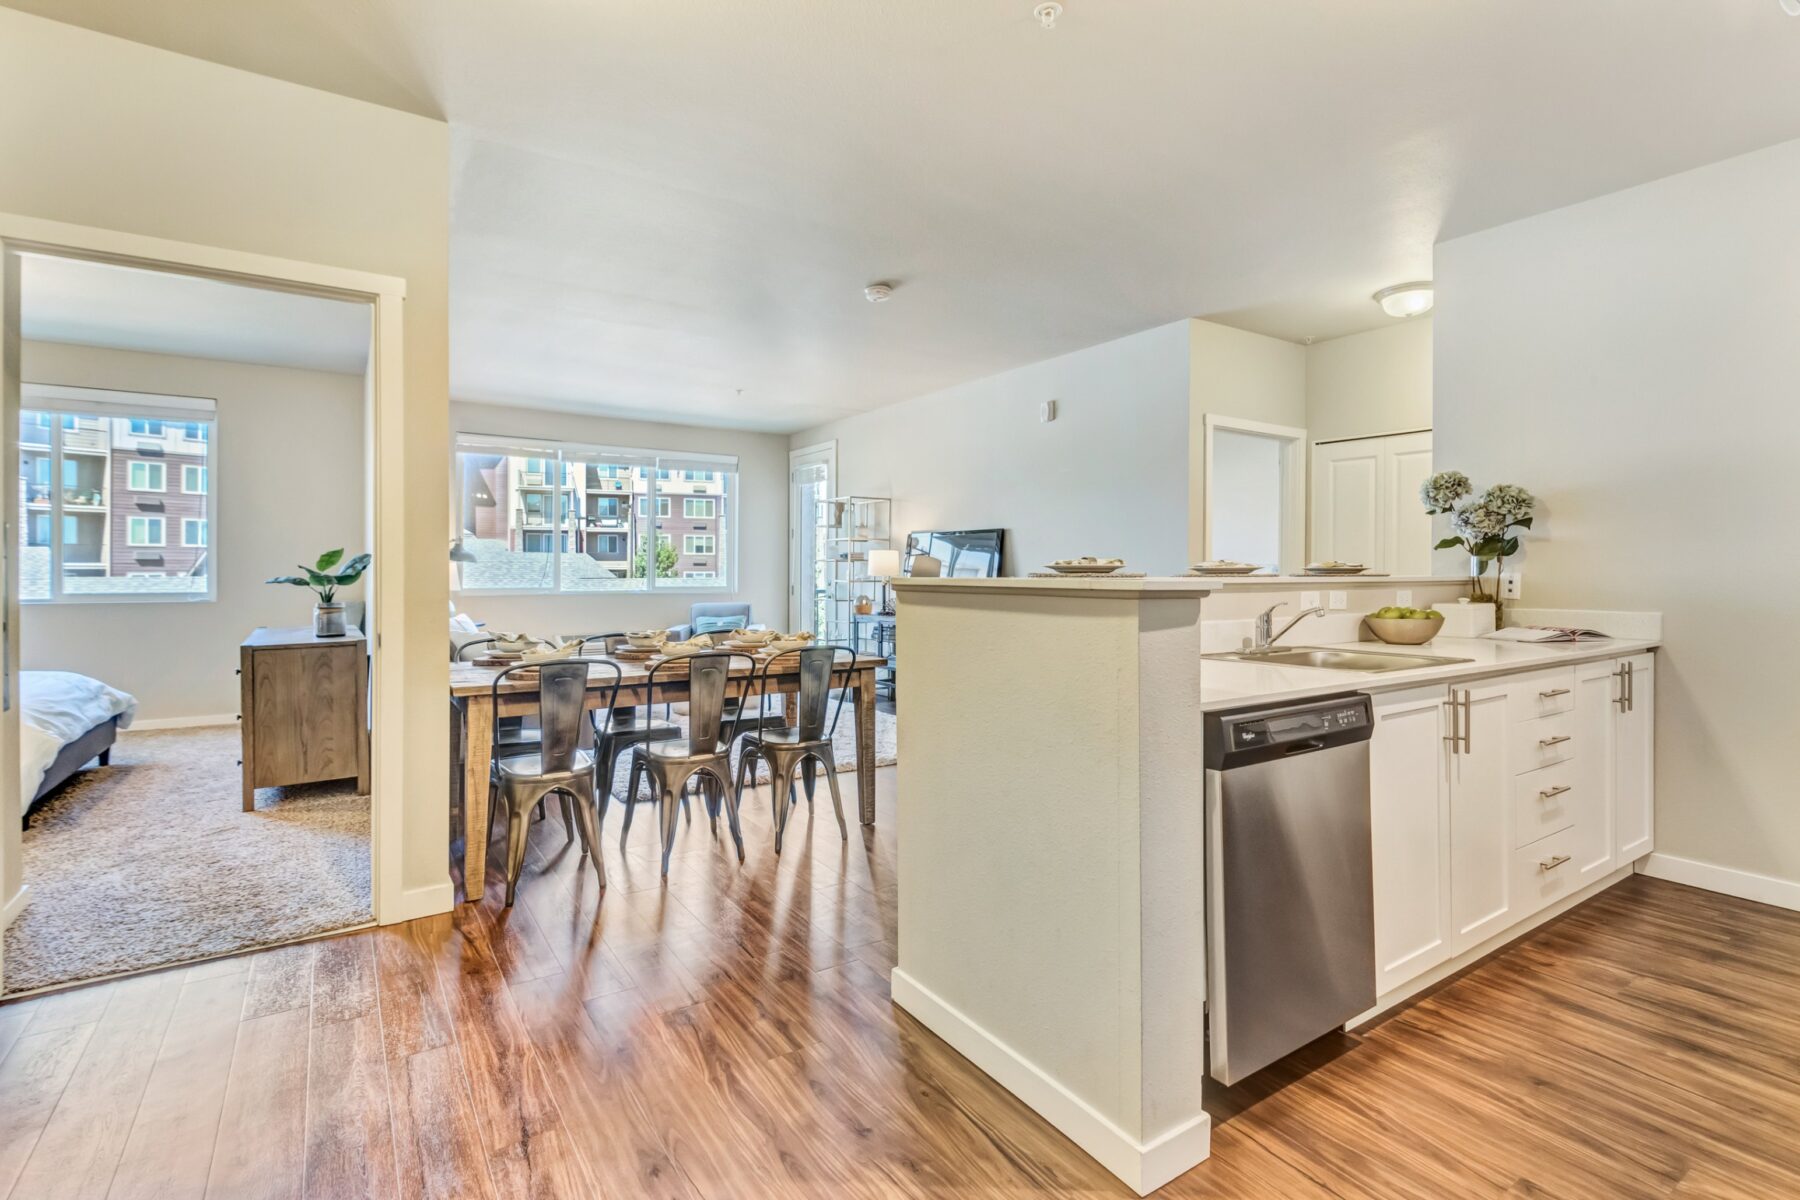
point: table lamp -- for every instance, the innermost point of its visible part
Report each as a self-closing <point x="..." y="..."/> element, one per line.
<point x="884" y="565"/>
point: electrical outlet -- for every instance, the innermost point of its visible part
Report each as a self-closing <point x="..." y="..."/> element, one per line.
<point x="1337" y="600"/>
<point x="1309" y="599"/>
<point x="1403" y="598"/>
<point x="1512" y="586"/>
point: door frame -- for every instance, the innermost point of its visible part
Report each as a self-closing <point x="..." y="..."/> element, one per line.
<point x="1293" y="485"/>
<point x="824" y="453"/>
<point x="384" y="421"/>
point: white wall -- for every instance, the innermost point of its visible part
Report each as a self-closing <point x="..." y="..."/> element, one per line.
<point x="103" y="132"/>
<point x="1107" y="477"/>
<point x="1368" y="384"/>
<point x="1633" y="361"/>
<point x="1246" y="496"/>
<point x="289" y="481"/>
<point x="1234" y="373"/>
<point x="762" y="541"/>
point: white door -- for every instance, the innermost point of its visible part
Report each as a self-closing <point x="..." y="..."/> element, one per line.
<point x="1634" y="759"/>
<point x="1409" y="812"/>
<point x="1481" y="843"/>
<point x="1346" y="502"/>
<point x="1365" y="503"/>
<point x="1596" y="689"/>
<point x="811" y="472"/>
<point x="1406" y="526"/>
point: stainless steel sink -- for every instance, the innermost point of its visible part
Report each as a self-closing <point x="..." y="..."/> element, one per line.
<point x="1338" y="660"/>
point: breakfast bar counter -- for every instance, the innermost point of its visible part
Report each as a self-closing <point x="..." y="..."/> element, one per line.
<point x="1051" y="909"/>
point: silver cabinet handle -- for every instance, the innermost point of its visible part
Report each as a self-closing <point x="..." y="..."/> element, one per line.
<point x="1558" y="740"/>
<point x="1622" y="699"/>
<point x="1553" y="693"/>
<point x="1630" y="687"/>
<point x="1552" y="793"/>
<point x="1550" y="864"/>
<point x="1468" y="725"/>
<point x="1454" y="737"/>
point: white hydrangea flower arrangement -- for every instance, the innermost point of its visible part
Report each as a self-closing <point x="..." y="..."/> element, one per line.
<point x="1483" y="525"/>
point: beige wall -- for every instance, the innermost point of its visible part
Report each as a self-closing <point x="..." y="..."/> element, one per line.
<point x="1107" y="477"/>
<point x="1632" y="360"/>
<point x="102" y="132"/>
<point x="287" y="490"/>
<point x="1369" y="384"/>
<point x="1234" y="373"/>
<point x="761" y="537"/>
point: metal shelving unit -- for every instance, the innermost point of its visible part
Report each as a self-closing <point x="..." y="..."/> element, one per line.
<point x="852" y="526"/>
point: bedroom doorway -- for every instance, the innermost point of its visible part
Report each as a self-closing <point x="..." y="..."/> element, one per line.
<point x="182" y="433"/>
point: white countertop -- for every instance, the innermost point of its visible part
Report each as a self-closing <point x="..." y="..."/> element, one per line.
<point x="1334" y="581"/>
<point x="1229" y="683"/>
<point x="1061" y="585"/>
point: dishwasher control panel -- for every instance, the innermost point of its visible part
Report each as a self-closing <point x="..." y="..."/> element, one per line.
<point x="1244" y="736"/>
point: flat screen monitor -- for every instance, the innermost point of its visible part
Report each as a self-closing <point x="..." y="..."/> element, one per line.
<point x="964" y="553"/>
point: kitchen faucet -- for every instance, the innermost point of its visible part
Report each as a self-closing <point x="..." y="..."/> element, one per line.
<point x="1265" y="621"/>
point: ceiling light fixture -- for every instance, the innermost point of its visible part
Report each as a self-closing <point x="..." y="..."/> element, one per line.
<point x="1047" y="12"/>
<point x="1407" y="299"/>
<point x="1791" y="7"/>
<point x="875" y="293"/>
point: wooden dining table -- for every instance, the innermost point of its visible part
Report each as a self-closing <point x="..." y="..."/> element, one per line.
<point x="473" y="711"/>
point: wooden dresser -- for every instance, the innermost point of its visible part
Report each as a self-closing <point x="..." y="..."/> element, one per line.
<point x="305" y="709"/>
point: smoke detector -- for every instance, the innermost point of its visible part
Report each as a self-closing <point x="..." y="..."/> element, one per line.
<point x="1047" y="12"/>
<point x="875" y="293"/>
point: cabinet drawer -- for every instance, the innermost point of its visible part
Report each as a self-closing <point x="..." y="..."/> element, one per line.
<point x="1543" y="741"/>
<point x="1543" y="871"/>
<point x="1544" y="802"/>
<point x="1543" y="694"/>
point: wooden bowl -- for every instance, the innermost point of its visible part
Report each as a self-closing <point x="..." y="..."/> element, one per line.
<point x="1404" y="631"/>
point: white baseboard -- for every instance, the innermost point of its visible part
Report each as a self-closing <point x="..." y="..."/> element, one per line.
<point x="1143" y="1167"/>
<point x="412" y="903"/>
<point x="147" y="723"/>
<point x="13" y="907"/>
<point x="1745" y="885"/>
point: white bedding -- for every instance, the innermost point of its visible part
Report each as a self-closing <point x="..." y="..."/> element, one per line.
<point x="55" y="708"/>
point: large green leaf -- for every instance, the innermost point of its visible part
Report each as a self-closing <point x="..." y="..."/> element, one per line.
<point x="1448" y="542"/>
<point x="1523" y="522"/>
<point x="296" y="580"/>
<point x="352" y="570"/>
<point x="329" y="559"/>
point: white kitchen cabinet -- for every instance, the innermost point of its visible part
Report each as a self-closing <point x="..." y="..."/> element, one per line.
<point x="1481" y="786"/>
<point x="1365" y="503"/>
<point x="1409" y="802"/>
<point x="1595" y="847"/>
<point x="1634" y="759"/>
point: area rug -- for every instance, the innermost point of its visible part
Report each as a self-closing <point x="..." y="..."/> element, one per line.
<point x="153" y="861"/>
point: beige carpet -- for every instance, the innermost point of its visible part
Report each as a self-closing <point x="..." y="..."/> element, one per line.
<point x="153" y="861"/>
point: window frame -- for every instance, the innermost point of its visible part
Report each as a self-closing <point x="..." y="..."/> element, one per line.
<point x="201" y="468"/>
<point x="64" y="404"/>
<point x="205" y="534"/>
<point x="661" y="468"/>
<point x="687" y="545"/>
<point x="712" y="508"/>
<point x="131" y="470"/>
<point x="162" y="530"/>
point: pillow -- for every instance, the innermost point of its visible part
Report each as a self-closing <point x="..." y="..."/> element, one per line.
<point x="463" y="623"/>
<point x="718" y="624"/>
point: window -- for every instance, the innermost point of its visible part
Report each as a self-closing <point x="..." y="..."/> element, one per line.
<point x="563" y="517"/>
<point x="100" y="524"/>
<point x="144" y="476"/>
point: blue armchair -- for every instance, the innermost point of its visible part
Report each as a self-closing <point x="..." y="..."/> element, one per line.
<point x="714" y="617"/>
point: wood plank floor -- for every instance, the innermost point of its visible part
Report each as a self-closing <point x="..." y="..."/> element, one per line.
<point x="731" y="1036"/>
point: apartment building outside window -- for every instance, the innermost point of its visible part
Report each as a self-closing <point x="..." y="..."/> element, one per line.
<point x="553" y="516"/>
<point x="122" y="479"/>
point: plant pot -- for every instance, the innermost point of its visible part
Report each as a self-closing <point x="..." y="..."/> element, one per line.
<point x="328" y="620"/>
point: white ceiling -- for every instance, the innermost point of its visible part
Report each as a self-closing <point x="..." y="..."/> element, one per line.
<point x="95" y="304"/>
<point x="660" y="202"/>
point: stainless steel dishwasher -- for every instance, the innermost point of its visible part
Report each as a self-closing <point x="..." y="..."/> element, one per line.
<point x="1290" y="909"/>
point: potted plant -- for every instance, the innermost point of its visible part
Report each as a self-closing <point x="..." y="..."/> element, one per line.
<point x="325" y="577"/>
<point x="1483" y="525"/>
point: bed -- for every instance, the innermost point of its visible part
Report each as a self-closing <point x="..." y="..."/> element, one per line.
<point x="66" y="721"/>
